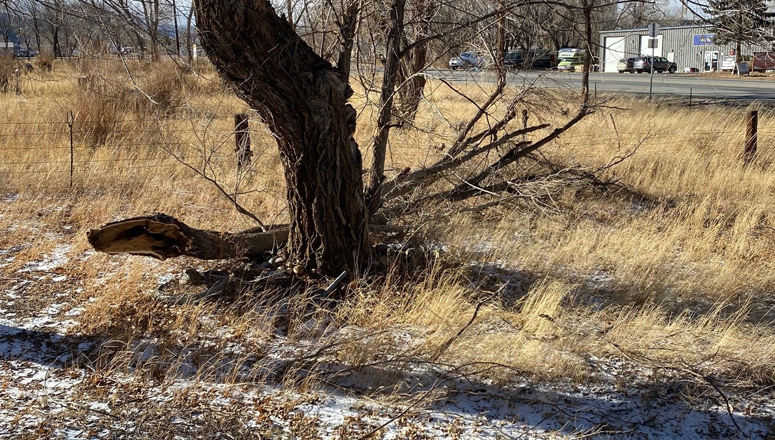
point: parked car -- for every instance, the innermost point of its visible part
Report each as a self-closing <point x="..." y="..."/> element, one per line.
<point x="467" y="59"/>
<point x="573" y="62"/>
<point x="26" y="53"/>
<point x="568" y="52"/>
<point x="456" y="63"/>
<point x="535" y="58"/>
<point x="660" y="64"/>
<point x="576" y="63"/>
<point x="514" y="60"/>
<point x="541" y="59"/>
<point x="626" y="65"/>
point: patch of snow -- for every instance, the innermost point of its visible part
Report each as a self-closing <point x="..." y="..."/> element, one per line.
<point x="36" y="323"/>
<point x="6" y="261"/>
<point x="599" y="279"/>
<point x="75" y="311"/>
<point x="53" y="309"/>
<point x="101" y="406"/>
<point x="57" y="258"/>
<point x="165" y="278"/>
<point x="86" y="255"/>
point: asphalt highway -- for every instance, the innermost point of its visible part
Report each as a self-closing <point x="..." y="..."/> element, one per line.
<point x="676" y="84"/>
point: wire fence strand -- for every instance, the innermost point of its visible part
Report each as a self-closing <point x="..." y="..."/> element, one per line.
<point x="199" y="152"/>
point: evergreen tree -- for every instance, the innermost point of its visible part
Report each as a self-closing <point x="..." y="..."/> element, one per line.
<point x="740" y="21"/>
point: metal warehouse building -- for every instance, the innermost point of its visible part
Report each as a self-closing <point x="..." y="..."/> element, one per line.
<point x="688" y="46"/>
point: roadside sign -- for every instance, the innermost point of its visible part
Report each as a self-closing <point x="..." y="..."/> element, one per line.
<point x="653" y="30"/>
<point x="727" y="62"/>
<point x="742" y="69"/>
<point x="703" y="40"/>
<point x="653" y="45"/>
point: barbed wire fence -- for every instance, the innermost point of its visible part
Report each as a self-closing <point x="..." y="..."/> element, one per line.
<point x="23" y="145"/>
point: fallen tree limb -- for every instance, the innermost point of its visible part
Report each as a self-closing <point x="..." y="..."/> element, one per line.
<point x="161" y="236"/>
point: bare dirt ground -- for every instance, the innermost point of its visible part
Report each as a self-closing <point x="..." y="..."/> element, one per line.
<point x="56" y="383"/>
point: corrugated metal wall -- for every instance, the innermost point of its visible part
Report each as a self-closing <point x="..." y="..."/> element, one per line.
<point x="678" y="39"/>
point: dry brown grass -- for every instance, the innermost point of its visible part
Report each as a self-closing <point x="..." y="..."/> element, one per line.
<point x="8" y="68"/>
<point x="680" y="274"/>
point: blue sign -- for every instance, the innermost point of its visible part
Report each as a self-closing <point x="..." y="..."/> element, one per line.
<point x="704" y="40"/>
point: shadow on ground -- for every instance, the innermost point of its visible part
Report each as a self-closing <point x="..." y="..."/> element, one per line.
<point x="672" y="407"/>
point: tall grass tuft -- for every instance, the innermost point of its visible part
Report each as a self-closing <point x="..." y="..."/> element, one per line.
<point x="8" y="68"/>
<point x="165" y="86"/>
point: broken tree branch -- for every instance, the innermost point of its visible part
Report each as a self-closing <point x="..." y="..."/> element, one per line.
<point x="161" y="236"/>
<point x="400" y="185"/>
<point x="512" y="156"/>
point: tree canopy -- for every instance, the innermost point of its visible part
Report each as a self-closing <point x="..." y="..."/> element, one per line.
<point x="740" y="21"/>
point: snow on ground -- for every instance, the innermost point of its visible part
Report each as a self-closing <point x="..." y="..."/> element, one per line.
<point x="52" y="386"/>
<point x="57" y="258"/>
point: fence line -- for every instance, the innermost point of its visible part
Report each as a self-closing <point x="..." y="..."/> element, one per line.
<point x="197" y="158"/>
<point x="231" y="133"/>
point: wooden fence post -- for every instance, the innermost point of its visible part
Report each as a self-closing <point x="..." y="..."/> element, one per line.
<point x="242" y="137"/>
<point x="524" y="123"/>
<point x="751" y="134"/>
<point x="17" y="75"/>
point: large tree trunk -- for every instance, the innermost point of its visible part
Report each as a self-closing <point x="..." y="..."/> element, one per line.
<point x="587" y="7"/>
<point x="303" y="100"/>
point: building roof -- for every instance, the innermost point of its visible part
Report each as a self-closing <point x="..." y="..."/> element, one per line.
<point x="645" y="29"/>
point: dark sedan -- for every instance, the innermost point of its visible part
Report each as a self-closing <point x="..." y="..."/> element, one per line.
<point x="661" y="64"/>
<point x="514" y="60"/>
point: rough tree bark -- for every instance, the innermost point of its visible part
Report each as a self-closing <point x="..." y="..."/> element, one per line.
<point x="303" y="100"/>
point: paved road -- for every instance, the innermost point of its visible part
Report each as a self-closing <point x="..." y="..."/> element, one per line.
<point x="664" y="84"/>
